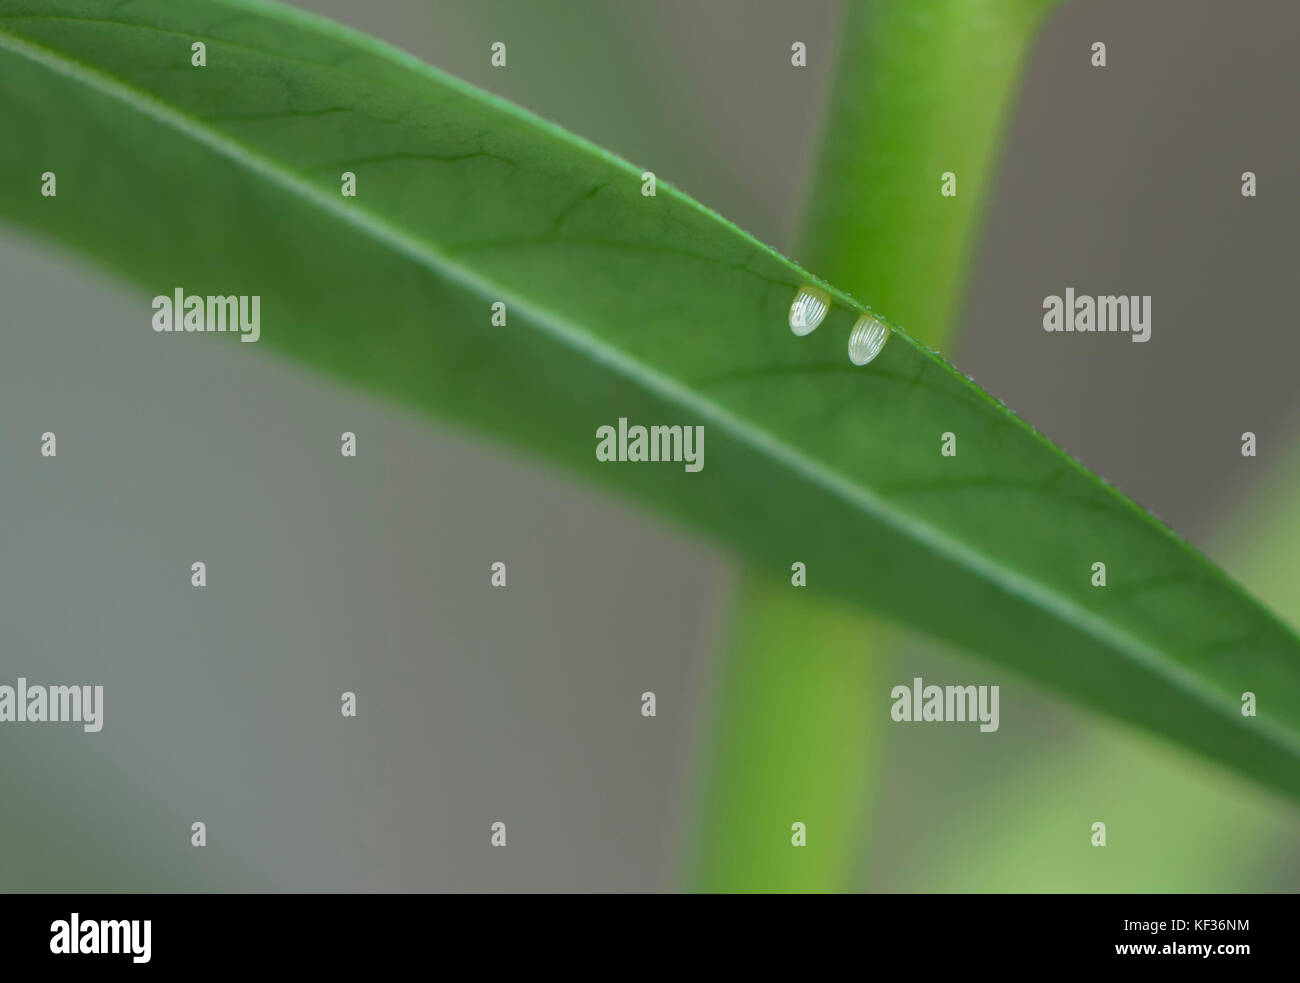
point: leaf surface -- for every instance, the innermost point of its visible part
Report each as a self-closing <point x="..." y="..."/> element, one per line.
<point x="225" y="180"/>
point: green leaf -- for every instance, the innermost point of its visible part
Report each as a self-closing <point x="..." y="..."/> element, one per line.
<point x="224" y="180"/>
<point x="1029" y="837"/>
<point x="1261" y="535"/>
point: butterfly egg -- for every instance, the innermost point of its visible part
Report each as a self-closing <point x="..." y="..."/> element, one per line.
<point x="867" y="338"/>
<point x="809" y="307"/>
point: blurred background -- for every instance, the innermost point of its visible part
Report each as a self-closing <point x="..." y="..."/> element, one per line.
<point x="521" y="705"/>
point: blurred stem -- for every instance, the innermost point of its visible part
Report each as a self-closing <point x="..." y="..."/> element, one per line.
<point x="922" y="87"/>
<point x="794" y="746"/>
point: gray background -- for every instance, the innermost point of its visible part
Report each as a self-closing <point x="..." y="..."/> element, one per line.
<point x="372" y="575"/>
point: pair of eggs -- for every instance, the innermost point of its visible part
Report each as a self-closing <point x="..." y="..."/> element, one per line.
<point x="866" y="339"/>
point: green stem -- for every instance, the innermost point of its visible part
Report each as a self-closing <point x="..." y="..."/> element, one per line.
<point x="793" y="745"/>
<point x="922" y="87"/>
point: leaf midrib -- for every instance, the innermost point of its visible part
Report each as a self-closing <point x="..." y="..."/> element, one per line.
<point x="427" y="254"/>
